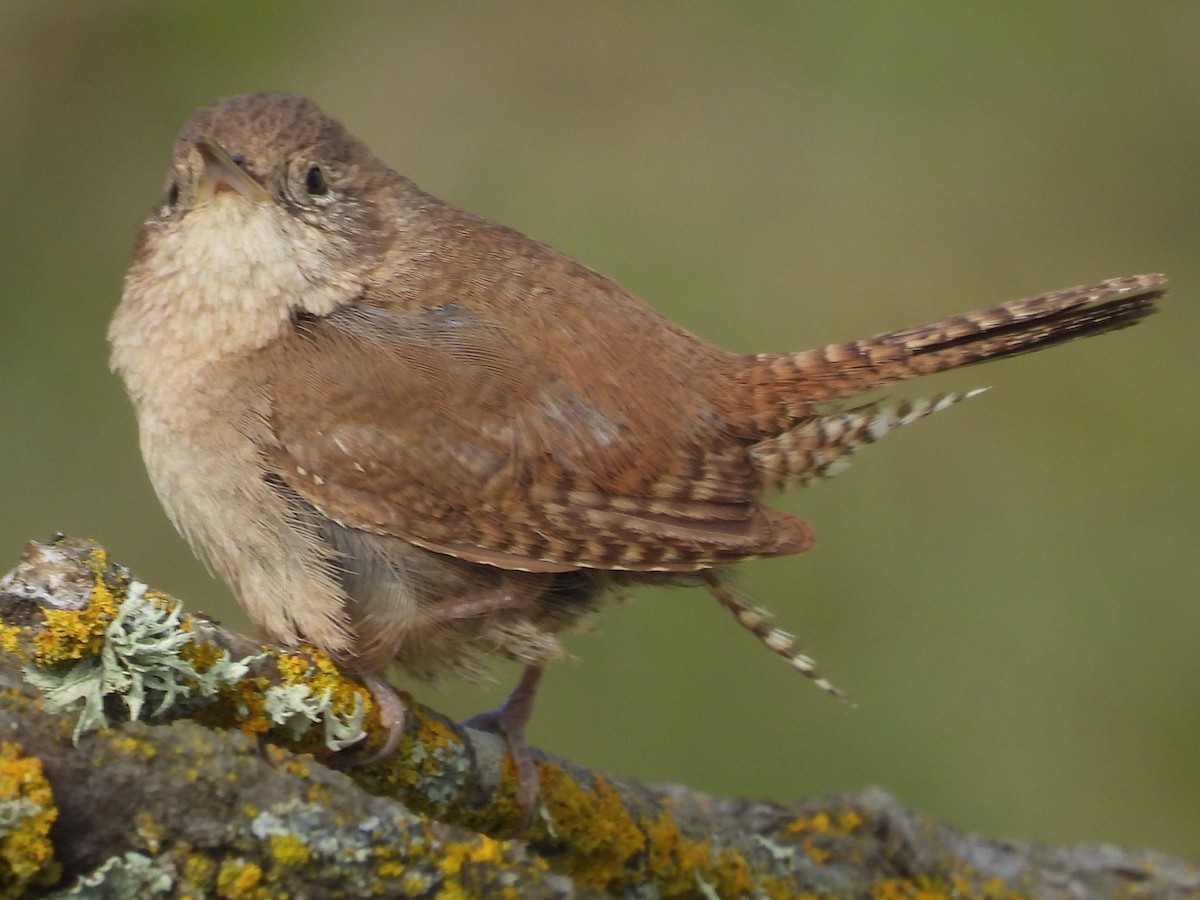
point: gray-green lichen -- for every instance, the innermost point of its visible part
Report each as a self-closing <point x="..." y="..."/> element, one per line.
<point x="442" y="782"/>
<point x="140" y="663"/>
<point x="14" y="811"/>
<point x="127" y="877"/>
<point x="296" y="708"/>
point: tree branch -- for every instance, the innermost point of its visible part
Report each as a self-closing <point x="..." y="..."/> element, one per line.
<point x="233" y="781"/>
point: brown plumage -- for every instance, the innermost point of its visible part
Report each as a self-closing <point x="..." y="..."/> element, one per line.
<point x="403" y="432"/>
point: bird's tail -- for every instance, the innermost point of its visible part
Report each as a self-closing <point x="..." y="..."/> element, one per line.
<point x="787" y="388"/>
<point x="819" y="447"/>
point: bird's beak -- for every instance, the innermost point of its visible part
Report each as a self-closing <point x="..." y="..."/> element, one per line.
<point x="221" y="173"/>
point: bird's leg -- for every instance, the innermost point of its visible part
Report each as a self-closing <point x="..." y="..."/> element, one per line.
<point x="509" y="719"/>
<point x="392" y="709"/>
<point x="475" y="605"/>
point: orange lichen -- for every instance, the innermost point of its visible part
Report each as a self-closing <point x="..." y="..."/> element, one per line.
<point x="313" y="668"/>
<point x="673" y="858"/>
<point x="150" y="832"/>
<point x="434" y="738"/>
<point x="598" y="834"/>
<point x="820" y="823"/>
<point x="818" y="855"/>
<point x="243" y="705"/>
<point x="197" y="874"/>
<point x="676" y="863"/>
<point x="345" y="695"/>
<point x="430" y="772"/>
<point x="850" y="821"/>
<point x="819" y="835"/>
<point x="78" y="633"/>
<point x="238" y="706"/>
<point x="905" y="889"/>
<point x="338" y="697"/>
<point x="934" y="888"/>
<point x="238" y="878"/>
<point x="455" y="855"/>
<point x="293" y="765"/>
<point x="203" y="655"/>
<point x="816" y="831"/>
<point x="130" y="745"/>
<point x="26" y="854"/>
<point x="432" y="732"/>
<point x="390" y="868"/>
<point x="484" y="849"/>
<point x="10" y="638"/>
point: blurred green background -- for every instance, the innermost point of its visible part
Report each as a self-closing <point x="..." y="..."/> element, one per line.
<point x="1009" y="591"/>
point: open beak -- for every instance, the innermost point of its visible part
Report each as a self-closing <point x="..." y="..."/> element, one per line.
<point x="221" y="173"/>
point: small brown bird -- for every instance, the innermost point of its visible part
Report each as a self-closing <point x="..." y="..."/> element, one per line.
<point x="405" y="433"/>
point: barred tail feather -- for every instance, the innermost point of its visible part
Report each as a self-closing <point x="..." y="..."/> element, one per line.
<point x="757" y="621"/>
<point x="784" y="388"/>
<point x="819" y="447"/>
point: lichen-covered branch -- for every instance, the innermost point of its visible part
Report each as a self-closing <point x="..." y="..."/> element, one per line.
<point x="155" y="753"/>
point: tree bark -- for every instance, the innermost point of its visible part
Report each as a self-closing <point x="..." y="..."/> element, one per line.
<point x="230" y="784"/>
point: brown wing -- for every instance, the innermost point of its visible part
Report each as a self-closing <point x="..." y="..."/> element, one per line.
<point x="545" y="443"/>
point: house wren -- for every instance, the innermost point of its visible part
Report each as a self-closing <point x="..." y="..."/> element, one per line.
<point x="405" y="433"/>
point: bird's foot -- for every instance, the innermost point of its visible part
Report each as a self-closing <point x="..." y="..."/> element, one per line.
<point x="509" y="720"/>
<point x="392" y="714"/>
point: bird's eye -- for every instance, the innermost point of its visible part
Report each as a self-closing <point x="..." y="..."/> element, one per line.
<point x="314" y="181"/>
<point x="173" y="194"/>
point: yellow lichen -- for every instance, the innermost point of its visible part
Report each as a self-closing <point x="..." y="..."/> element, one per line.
<point x="996" y="889"/>
<point x="78" y="633"/>
<point x="432" y="732"/>
<point x="238" y="879"/>
<point x="486" y="850"/>
<point x="734" y="878"/>
<point x="818" y="855"/>
<point x="26" y="854"/>
<point x="130" y="745"/>
<point x="345" y="695"/>
<point x="149" y="831"/>
<point x="338" y="698"/>
<point x="676" y="863"/>
<point x="674" y="859"/>
<point x="850" y="821"/>
<point x="10" y="638"/>
<point x="431" y="735"/>
<point x="292" y="668"/>
<point x="390" y="868"/>
<point x="292" y="765"/>
<point x="197" y="873"/>
<point x="201" y="654"/>
<point x="318" y="793"/>
<point x="413" y="885"/>
<point x="820" y="823"/>
<point x="288" y="850"/>
<point x="599" y="834"/>
<point x="452" y="859"/>
<point x="482" y="850"/>
<point x="241" y="708"/>
<point x="904" y="889"/>
<point x="927" y="887"/>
